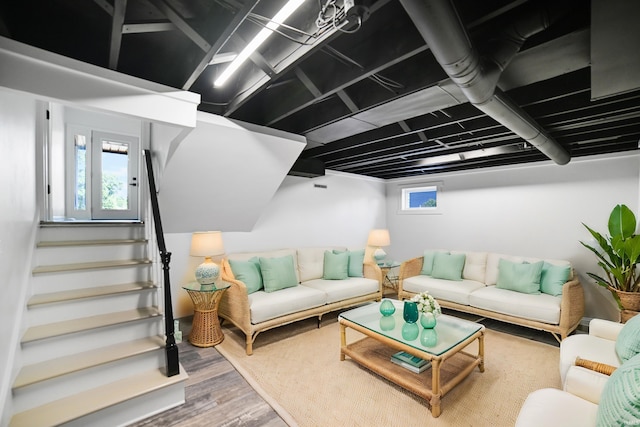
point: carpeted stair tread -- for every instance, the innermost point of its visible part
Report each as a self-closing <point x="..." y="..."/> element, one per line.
<point x="73" y="407"/>
<point x="102" y="242"/>
<point x="49" y="369"/>
<point x="75" y="294"/>
<point x="89" y="265"/>
<point x="35" y="333"/>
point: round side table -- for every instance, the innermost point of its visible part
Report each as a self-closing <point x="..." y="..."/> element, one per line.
<point x="205" y="330"/>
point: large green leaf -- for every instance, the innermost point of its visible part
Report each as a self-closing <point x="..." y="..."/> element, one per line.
<point x="604" y="245"/>
<point x="598" y="254"/>
<point x="622" y="222"/>
<point x="618" y="253"/>
<point x="632" y="249"/>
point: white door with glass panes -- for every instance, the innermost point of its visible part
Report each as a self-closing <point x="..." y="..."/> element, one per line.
<point x="102" y="182"/>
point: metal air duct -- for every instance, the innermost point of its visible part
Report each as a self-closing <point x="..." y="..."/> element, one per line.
<point x="439" y="24"/>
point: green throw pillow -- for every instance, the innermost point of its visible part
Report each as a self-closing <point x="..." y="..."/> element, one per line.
<point x="336" y="266"/>
<point x="553" y="277"/>
<point x="427" y="263"/>
<point x="620" y="400"/>
<point x="278" y="273"/>
<point x="248" y="272"/>
<point x="356" y="261"/>
<point x="519" y="277"/>
<point x="628" y="341"/>
<point x="448" y="266"/>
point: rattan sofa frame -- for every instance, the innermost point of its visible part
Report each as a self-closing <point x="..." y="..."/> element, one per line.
<point x="571" y="308"/>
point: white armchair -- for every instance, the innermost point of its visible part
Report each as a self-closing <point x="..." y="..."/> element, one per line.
<point x="591" y="396"/>
<point x="599" y="345"/>
<point x="575" y="406"/>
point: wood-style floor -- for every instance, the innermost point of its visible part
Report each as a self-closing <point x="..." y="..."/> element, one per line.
<point x="218" y="396"/>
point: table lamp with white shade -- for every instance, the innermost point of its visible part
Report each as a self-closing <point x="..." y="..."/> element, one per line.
<point x="377" y="239"/>
<point x="207" y="244"/>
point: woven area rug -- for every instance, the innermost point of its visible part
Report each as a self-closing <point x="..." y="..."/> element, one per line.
<point x="298" y="371"/>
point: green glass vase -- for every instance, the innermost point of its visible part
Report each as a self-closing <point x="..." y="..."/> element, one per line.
<point x="410" y="312"/>
<point x="428" y="320"/>
<point x="387" y="308"/>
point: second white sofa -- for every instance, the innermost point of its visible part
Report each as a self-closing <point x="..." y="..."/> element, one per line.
<point x="498" y="286"/>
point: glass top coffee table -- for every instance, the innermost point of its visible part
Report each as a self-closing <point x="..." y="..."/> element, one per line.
<point x="388" y="335"/>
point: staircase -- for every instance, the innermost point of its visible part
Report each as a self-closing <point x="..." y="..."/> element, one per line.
<point x="93" y="351"/>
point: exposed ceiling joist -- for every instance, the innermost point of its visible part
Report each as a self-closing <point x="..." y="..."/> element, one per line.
<point x="154" y="27"/>
<point x="105" y="5"/>
<point x="229" y="30"/>
<point x="119" y="12"/>
<point x="182" y="25"/>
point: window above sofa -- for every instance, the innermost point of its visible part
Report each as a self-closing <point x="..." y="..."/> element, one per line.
<point x="420" y="198"/>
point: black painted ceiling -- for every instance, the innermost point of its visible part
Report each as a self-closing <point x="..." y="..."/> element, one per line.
<point x="370" y="98"/>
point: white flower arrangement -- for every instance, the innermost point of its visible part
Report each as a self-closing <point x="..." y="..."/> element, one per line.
<point x="427" y="303"/>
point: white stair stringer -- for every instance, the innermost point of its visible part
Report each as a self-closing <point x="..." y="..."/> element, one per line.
<point x="92" y="352"/>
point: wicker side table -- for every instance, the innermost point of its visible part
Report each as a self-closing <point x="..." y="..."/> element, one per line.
<point x="205" y="330"/>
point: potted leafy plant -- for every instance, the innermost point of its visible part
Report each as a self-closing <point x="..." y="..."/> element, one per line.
<point x="618" y="254"/>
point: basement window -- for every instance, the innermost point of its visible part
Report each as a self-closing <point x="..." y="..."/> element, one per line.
<point x="421" y="199"/>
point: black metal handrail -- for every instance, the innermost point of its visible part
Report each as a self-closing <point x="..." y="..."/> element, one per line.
<point x="171" y="349"/>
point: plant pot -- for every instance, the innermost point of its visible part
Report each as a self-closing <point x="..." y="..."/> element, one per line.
<point x="628" y="300"/>
<point x="625" y="315"/>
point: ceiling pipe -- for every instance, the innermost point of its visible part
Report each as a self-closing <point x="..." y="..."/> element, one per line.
<point x="439" y="24"/>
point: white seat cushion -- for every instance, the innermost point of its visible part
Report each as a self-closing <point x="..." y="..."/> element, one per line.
<point x="447" y="290"/>
<point x="542" y="308"/>
<point x="586" y="347"/>
<point x="550" y="407"/>
<point x="269" y="305"/>
<point x="338" y="290"/>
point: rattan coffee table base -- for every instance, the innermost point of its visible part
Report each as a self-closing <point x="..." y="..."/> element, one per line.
<point x="374" y="353"/>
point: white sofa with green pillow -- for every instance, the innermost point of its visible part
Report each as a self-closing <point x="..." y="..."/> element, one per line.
<point x="537" y="293"/>
<point x="273" y="288"/>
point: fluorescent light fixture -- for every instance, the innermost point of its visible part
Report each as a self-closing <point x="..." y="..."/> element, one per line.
<point x="254" y="44"/>
<point x="221" y="58"/>
<point x="468" y="155"/>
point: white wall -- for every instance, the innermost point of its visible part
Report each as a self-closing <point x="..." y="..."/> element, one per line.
<point x="299" y="215"/>
<point x="223" y="173"/>
<point x="54" y="77"/>
<point x="533" y="210"/>
<point x="17" y="219"/>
